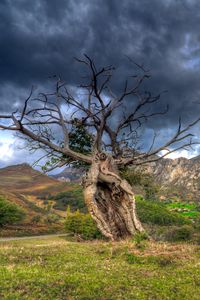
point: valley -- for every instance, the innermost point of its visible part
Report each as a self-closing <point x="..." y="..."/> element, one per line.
<point x="45" y="199"/>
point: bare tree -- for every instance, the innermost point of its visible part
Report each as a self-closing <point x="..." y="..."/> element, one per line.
<point x="113" y="123"/>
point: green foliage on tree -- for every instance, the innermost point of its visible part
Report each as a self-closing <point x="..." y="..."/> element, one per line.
<point x="80" y="140"/>
<point x="10" y="213"/>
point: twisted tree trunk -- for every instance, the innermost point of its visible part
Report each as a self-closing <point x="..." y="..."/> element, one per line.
<point x="110" y="200"/>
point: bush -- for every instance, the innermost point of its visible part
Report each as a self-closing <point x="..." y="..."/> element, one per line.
<point x="10" y="213"/>
<point x="36" y="219"/>
<point x="81" y="224"/>
<point x="74" y="198"/>
<point x="140" y="237"/>
<point x="52" y="218"/>
<point x="176" y="234"/>
<point x="153" y="212"/>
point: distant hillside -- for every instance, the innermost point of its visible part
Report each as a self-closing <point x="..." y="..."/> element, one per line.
<point x="30" y="189"/>
<point x="177" y="177"/>
<point x="69" y="174"/>
<point x="38" y="194"/>
<point x="23" y="177"/>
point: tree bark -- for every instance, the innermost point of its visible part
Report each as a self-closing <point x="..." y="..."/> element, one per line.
<point x="110" y="200"/>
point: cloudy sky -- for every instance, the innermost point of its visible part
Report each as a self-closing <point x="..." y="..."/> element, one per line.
<point x="40" y="38"/>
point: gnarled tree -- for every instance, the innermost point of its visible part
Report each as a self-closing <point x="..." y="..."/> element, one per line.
<point x="111" y="122"/>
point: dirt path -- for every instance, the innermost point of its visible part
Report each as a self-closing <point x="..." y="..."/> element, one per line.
<point x="31" y="237"/>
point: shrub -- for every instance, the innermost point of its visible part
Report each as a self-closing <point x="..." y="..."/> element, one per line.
<point x="183" y="233"/>
<point x="74" y="198"/>
<point x="10" y="213"/>
<point x="52" y="218"/>
<point x="140" y="237"/>
<point x="36" y="219"/>
<point x="154" y="212"/>
<point x="81" y="224"/>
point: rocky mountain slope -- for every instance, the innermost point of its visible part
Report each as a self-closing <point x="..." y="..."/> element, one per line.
<point x="69" y="174"/>
<point x="176" y="177"/>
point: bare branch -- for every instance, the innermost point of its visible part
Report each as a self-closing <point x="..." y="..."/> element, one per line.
<point x="48" y="118"/>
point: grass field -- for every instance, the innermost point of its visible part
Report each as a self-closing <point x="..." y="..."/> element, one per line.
<point x="55" y="268"/>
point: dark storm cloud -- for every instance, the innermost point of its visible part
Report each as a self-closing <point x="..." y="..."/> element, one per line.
<point x="40" y="38"/>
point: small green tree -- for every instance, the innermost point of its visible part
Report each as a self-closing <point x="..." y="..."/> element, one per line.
<point x="10" y="213"/>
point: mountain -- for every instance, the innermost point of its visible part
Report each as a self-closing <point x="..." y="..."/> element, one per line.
<point x="69" y="174"/>
<point x="176" y="177"/>
<point x="23" y="177"/>
<point x="30" y="190"/>
<point x="35" y="192"/>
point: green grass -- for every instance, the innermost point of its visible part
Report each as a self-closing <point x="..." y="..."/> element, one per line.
<point x="155" y="212"/>
<point x="182" y="205"/>
<point x="57" y="269"/>
<point x="185" y="209"/>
